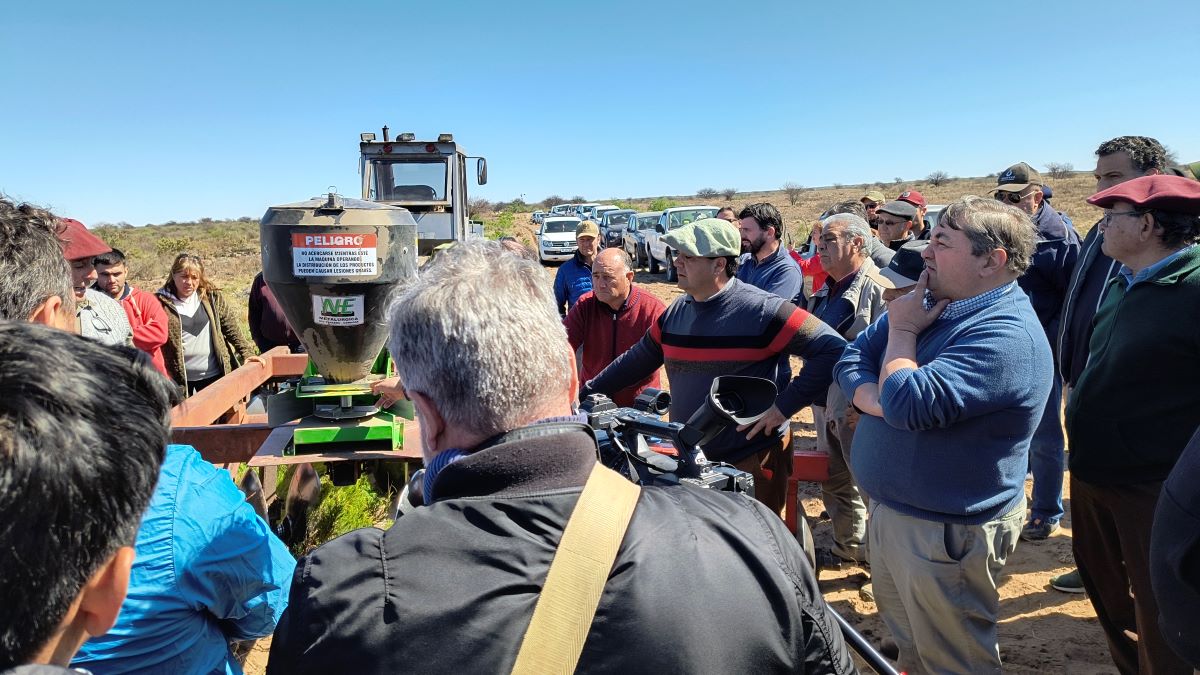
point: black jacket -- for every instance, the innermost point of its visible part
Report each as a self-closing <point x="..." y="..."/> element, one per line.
<point x="1049" y="273"/>
<point x="704" y="582"/>
<point x="1089" y="283"/>
<point x="1174" y="555"/>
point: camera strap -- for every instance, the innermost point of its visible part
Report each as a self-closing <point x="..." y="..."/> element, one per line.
<point x="562" y="617"/>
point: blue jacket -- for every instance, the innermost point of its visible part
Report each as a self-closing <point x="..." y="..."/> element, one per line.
<point x="953" y="444"/>
<point x="574" y="278"/>
<point x="1049" y="275"/>
<point x="778" y="274"/>
<point x="208" y="570"/>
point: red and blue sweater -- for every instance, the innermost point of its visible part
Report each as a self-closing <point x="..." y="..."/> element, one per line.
<point x="741" y="330"/>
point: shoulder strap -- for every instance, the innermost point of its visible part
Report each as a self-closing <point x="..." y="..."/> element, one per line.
<point x="567" y="604"/>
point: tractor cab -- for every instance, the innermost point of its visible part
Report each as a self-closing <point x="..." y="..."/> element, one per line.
<point x="429" y="178"/>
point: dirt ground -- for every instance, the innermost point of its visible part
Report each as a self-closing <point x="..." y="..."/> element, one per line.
<point x="1041" y="630"/>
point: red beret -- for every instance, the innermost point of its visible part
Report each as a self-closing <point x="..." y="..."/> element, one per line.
<point x="77" y="242"/>
<point x="1168" y="193"/>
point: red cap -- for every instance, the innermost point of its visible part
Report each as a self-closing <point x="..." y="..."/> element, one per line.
<point x="1175" y="194"/>
<point x="912" y="197"/>
<point x="77" y="242"/>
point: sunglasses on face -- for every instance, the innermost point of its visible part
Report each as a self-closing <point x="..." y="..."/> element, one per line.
<point x="870" y="205"/>
<point x="1011" y="197"/>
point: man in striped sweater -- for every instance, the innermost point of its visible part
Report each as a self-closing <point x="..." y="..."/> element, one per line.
<point x="721" y="326"/>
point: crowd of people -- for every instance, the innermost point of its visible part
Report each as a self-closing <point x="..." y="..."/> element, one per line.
<point x="937" y="355"/>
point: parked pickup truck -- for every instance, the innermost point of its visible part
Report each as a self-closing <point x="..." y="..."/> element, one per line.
<point x="662" y="255"/>
<point x="556" y="238"/>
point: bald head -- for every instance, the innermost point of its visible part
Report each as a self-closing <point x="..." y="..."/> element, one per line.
<point x="616" y="256"/>
<point x="612" y="277"/>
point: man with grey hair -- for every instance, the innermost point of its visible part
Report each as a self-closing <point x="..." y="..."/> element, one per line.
<point x="481" y="352"/>
<point x="960" y="363"/>
<point x="37" y="280"/>
<point x="850" y="301"/>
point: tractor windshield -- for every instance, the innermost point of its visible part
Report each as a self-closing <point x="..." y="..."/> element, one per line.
<point x="408" y="180"/>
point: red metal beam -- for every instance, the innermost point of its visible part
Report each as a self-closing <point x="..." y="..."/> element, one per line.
<point x="223" y="443"/>
<point x="219" y="398"/>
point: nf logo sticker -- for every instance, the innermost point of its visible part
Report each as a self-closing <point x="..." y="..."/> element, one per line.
<point x="338" y="310"/>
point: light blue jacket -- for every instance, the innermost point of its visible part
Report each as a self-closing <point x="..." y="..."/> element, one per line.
<point x="208" y="570"/>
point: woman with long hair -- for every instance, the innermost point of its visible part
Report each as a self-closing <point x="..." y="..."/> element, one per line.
<point x="203" y="339"/>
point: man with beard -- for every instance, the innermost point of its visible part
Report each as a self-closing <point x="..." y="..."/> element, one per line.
<point x="765" y="263"/>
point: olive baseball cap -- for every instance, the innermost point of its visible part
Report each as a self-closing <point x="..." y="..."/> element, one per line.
<point x="706" y="238"/>
<point x="587" y="229"/>
<point x="1017" y="177"/>
<point x="875" y="196"/>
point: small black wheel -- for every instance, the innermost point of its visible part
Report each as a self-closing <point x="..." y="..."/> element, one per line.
<point x="672" y="273"/>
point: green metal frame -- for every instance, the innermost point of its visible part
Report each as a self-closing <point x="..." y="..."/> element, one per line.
<point x="383" y="431"/>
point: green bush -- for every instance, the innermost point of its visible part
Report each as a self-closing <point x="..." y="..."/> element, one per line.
<point x="173" y="245"/>
<point x="343" y="509"/>
<point x="663" y="203"/>
<point x="501" y="226"/>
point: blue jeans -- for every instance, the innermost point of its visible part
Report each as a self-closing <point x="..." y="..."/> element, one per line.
<point x="1047" y="460"/>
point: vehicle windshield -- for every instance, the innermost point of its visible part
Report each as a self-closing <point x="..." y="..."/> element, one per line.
<point x="559" y="226"/>
<point x="421" y="180"/>
<point x="619" y="219"/>
<point x="688" y="216"/>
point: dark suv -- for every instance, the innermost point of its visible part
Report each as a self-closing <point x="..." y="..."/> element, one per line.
<point x="612" y="226"/>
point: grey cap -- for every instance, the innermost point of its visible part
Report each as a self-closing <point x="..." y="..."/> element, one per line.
<point x="900" y="209"/>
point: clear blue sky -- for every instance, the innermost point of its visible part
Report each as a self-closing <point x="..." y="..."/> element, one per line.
<point x="155" y="111"/>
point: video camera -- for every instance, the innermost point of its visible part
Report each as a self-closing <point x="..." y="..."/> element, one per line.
<point x="631" y="440"/>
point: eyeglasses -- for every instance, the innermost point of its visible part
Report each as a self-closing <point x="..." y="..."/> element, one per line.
<point x="870" y="205"/>
<point x="892" y="223"/>
<point x="1011" y="197"/>
<point x="1109" y="214"/>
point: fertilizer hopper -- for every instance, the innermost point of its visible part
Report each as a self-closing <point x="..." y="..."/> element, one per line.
<point x="333" y="263"/>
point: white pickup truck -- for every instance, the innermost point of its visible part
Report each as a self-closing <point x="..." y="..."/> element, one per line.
<point x="556" y="238"/>
<point x="662" y="255"/>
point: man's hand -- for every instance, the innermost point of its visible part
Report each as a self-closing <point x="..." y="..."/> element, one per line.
<point x="907" y="313"/>
<point x="769" y="422"/>
<point x="390" y="390"/>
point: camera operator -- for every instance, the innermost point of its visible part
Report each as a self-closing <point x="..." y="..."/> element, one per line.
<point x="701" y="582"/>
<point x="722" y="326"/>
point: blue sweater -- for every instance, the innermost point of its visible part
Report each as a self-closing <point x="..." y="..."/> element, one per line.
<point x="953" y="444"/>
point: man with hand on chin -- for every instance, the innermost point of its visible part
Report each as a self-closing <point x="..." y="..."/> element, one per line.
<point x="961" y="362"/>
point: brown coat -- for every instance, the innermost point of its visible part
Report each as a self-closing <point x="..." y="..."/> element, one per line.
<point x="224" y="331"/>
